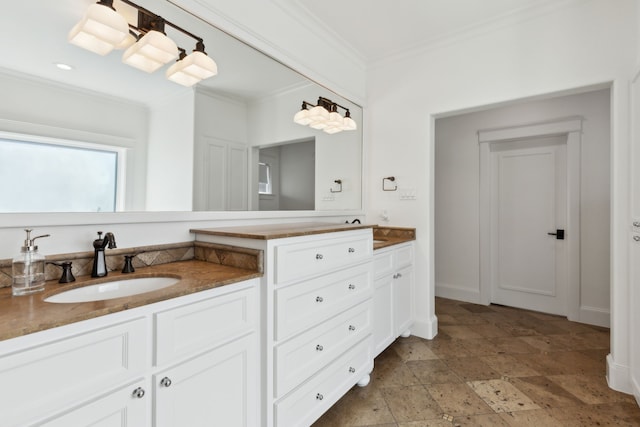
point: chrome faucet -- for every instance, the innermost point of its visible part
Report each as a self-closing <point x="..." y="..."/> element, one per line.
<point x="99" y="260"/>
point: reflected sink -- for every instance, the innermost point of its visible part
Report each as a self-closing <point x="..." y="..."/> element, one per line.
<point x="113" y="289"/>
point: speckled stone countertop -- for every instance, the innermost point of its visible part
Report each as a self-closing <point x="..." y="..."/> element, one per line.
<point x="27" y="314"/>
<point x="279" y="231"/>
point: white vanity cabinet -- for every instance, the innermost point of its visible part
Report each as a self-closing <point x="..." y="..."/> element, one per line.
<point x="318" y="315"/>
<point x="192" y="358"/>
<point x="393" y="294"/>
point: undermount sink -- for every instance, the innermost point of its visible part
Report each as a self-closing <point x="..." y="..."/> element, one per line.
<point x="378" y="241"/>
<point x="113" y="289"/>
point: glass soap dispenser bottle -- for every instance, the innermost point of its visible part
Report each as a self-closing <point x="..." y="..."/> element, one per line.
<point x="28" y="268"/>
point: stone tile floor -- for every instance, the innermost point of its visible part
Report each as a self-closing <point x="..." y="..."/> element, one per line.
<point x="490" y="366"/>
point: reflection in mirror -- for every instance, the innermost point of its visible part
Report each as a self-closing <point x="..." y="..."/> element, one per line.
<point x="181" y="149"/>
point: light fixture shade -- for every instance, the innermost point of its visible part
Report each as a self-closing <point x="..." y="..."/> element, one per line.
<point x="151" y="52"/>
<point x="349" y="124"/>
<point x="100" y="30"/>
<point x="318" y="114"/>
<point x="335" y="120"/>
<point x="192" y="68"/>
<point x="302" y="117"/>
<point x="332" y="129"/>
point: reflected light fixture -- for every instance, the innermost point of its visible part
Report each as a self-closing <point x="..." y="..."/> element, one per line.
<point x="325" y="116"/>
<point x="190" y="69"/>
<point x="101" y="29"/>
<point x="148" y="48"/>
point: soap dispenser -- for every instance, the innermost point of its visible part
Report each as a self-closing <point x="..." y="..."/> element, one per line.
<point x="28" y="268"/>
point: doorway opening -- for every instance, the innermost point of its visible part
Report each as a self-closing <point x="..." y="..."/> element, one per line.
<point x="507" y="178"/>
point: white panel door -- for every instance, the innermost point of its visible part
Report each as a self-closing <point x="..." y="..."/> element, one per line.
<point x="528" y="207"/>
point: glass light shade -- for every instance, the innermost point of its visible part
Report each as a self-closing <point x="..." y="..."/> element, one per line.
<point x="129" y="40"/>
<point x="318" y="113"/>
<point x="302" y="117"/>
<point x="335" y="120"/>
<point x="318" y="125"/>
<point x="332" y="129"/>
<point x="192" y="68"/>
<point x="100" y="30"/>
<point x="349" y="124"/>
<point x="151" y="52"/>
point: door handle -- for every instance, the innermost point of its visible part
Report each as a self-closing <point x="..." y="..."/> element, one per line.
<point x="559" y="234"/>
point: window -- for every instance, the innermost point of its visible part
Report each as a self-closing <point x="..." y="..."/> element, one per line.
<point x="264" y="178"/>
<point x="46" y="175"/>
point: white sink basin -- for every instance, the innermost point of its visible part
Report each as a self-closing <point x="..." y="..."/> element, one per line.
<point x="114" y="289"/>
<point x="379" y="241"/>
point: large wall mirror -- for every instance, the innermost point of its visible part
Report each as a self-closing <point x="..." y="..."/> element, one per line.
<point x="227" y="143"/>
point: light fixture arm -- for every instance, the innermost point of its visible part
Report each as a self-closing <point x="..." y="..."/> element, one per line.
<point x="152" y="21"/>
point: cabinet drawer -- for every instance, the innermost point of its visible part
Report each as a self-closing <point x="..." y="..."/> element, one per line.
<point x="44" y="378"/>
<point x="305" y="404"/>
<point x="382" y="263"/>
<point x="299" y="358"/>
<point x="305" y="259"/>
<point x="305" y="304"/>
<point x="404" y="256"/>
<point x="118" y="408"/>
<point x="192" y="328"/>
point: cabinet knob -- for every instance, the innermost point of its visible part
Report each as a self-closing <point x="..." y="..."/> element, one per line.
<point x="319" y="299"/>
<point x="636" y="238"/>
<point x="319" y="347"/>
<point x="138" y="393"/>
<point x="352" y="369"/>
<point x="352" y="286"/>
<point x="352" y="328"/>
<point x="165" y="382"/>
<point x="636" y="223"/>
<point x="319" y="396"/>
<point x="351" y="250"/>
<point x="319" y="256"/>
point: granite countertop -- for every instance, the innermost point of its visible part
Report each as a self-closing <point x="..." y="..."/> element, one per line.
<point x="27" y="314"/>
<point x="279" y="231"/>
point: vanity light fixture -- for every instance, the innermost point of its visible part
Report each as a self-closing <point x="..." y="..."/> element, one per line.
<point x="325" y="116"/>
<point x="148" y="48"/>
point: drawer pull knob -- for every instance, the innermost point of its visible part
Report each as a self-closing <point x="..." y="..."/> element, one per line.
<point x="319" y="299"/>
<point x="351" y="250"/>
<point x="319" y="347"/>
<point x="319" y="256"/>
<point x="138" y="393"/>
<point x="352" y="286"/>
<point x="636" y="223"/>
<point x="319" y="396"/>
<point x="352" y="328"/>
<point x="165" y="382"/>
<point x="636" y="238"/>
<point x="352" y="369"/>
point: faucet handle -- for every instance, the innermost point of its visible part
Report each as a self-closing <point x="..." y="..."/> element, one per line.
<point x="67" y="275"/>
<point x="128" y="264"/>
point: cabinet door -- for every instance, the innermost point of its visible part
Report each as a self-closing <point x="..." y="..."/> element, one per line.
<point x="127" y="406"/>
<point x="402" y="296"/>
<point x="216" y="388"/>
<point x="383" y="322"/>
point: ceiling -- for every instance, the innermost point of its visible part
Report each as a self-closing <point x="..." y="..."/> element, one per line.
<point x="378" y="29"/>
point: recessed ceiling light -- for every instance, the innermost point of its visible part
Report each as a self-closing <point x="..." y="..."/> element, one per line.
<point x="63" y="66"/>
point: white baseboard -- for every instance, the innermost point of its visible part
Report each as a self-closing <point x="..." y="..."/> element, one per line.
<point x="618" y="376"/>
<point x="457" y="293"/>
<point x="425" y="329"/>
<point x="636" y="390"/>
<point x="595" y="316"/>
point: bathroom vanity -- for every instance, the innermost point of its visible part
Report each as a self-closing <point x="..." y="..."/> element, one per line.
<point x="273" y="347"/>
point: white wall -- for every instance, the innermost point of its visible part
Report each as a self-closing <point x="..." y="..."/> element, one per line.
<point x="457" y="193"/>
<point x="297" y="176"/>
<point x="582" y="44"/>
<point x="170" y="154"/>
